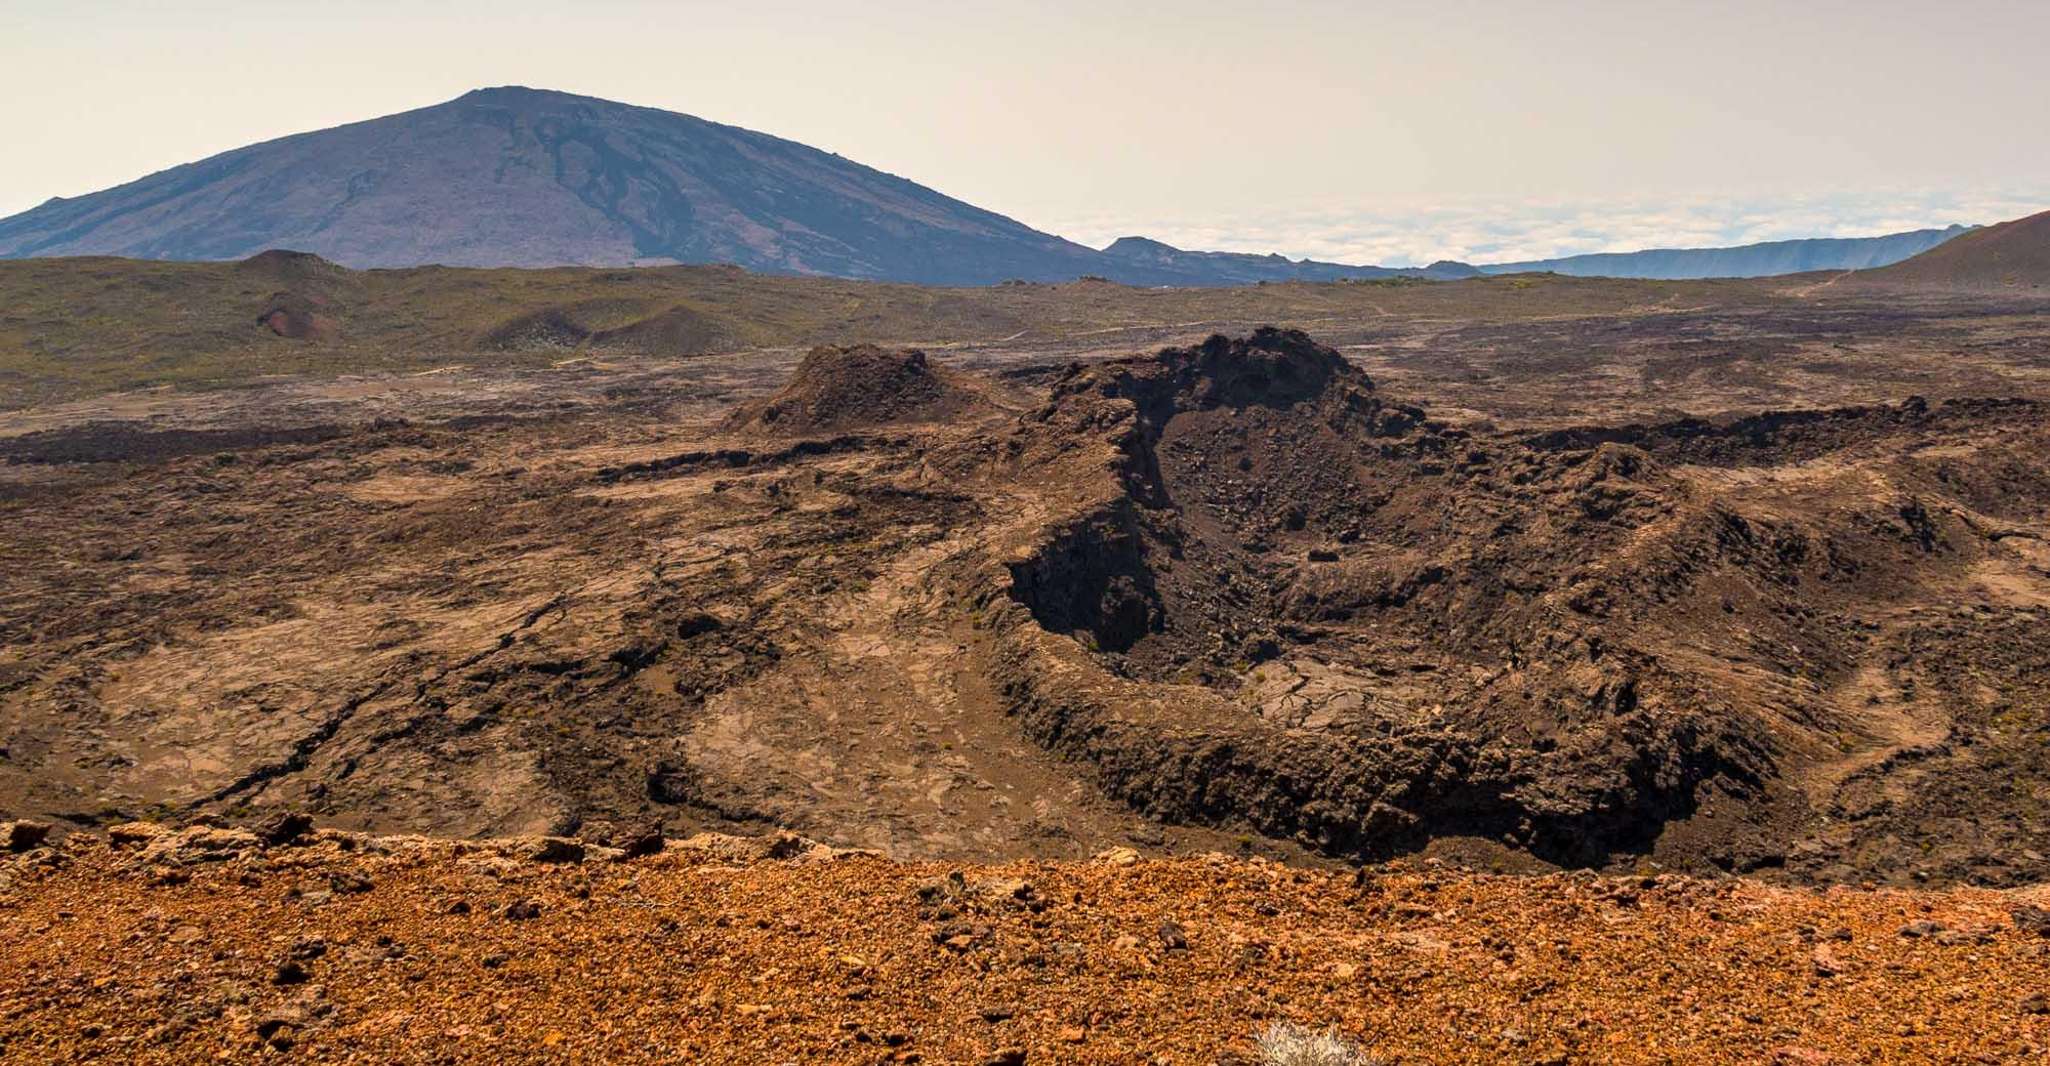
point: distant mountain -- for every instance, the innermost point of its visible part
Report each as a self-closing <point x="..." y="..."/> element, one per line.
<point x="2010" y="255"/>
<point x="523" y="177"/>
<point x="526" y="177"/>
<point x="1243" y="268"/>
<point x="1742" y="261"/>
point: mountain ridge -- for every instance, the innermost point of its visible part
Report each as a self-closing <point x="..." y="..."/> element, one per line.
<point x="1760" y="259"/>
<point x="1246" y="268"/>
<point x="512" y="176"/>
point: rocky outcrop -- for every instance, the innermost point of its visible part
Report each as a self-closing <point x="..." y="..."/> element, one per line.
<point x="1503" y="631"/>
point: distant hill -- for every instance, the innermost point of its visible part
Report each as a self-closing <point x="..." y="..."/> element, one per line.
<point x="530" y="178"/>
<point x="2010" y="255"/>
<point x="1742" y="261"/>
<point x="1243" y="268"/>
<point x="524" y="177"/>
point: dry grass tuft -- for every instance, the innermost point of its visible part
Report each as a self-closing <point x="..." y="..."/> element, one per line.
<point x="1288" y="1044"/>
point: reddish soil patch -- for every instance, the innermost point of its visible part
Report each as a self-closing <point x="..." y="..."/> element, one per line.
<point x="300" y="318"/>
<point x="347" y="948"/>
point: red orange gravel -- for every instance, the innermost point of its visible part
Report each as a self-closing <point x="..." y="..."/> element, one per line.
<point x="350" y="949"/>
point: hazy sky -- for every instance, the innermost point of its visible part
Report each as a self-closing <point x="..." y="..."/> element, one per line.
<point x="1392" y="132"/>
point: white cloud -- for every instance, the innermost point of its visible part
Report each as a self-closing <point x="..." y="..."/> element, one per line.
<point x="1508" y="230"/>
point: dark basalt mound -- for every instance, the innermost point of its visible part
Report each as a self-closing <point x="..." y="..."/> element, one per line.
<point x="1317" y="611"/>
<point x="839" y="389"/>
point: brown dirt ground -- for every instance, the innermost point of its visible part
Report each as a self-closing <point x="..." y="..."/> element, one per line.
<point x="712" y="952"/>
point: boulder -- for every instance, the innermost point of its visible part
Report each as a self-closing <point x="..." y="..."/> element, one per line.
<point x="19" y="836"/>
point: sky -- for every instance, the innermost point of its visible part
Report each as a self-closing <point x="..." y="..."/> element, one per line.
<point x="1395" y="133"/>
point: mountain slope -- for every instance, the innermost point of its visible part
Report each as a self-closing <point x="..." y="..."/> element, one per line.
<point x="2011" y="254"/>
<point x="522" y="177"/>
<point x="1742" y="261"/>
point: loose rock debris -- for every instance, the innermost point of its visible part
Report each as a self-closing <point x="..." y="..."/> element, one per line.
<point x="712" y="950"/>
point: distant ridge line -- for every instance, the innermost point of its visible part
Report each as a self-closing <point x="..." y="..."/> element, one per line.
<point x="513" y="176"/>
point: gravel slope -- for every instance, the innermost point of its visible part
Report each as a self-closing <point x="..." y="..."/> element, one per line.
<point x="209" y="946"/>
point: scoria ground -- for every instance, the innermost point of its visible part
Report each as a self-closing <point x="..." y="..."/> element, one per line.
<point x="209" y="945"/>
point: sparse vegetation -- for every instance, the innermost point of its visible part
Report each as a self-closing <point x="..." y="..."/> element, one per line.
<point x="80" y="327"/>
<point x="1289" y="1044"/>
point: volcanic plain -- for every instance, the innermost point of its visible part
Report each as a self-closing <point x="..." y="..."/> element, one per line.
<point x="1733" y="592"/>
